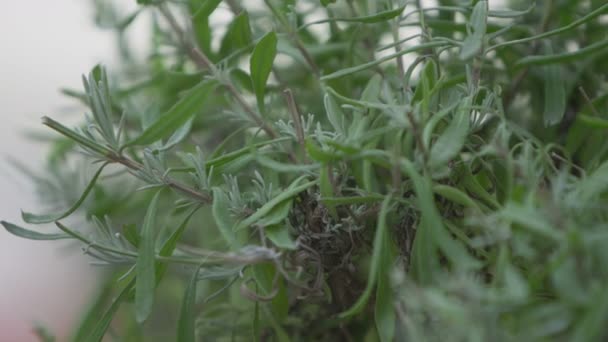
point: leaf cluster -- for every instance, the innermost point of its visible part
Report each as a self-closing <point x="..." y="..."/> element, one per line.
<point x="345" y="170"/>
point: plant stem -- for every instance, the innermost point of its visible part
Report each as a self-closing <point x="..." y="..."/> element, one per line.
<point x="203" y="62"/>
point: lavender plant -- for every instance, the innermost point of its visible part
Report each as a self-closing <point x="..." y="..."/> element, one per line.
<point x="342" y="170"/>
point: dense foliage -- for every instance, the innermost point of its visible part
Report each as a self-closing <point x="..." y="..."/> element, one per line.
<point x="343" y="170"/>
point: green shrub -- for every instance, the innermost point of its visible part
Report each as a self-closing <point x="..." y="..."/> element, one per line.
<point x="344" y="170"/>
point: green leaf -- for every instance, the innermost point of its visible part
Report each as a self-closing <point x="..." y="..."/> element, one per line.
<point x="83" y="141"/>
<point x="326" y="189"/>
<point x="367" y="19"/>
<point x="583" y="20"/>
<point x="473" y="44"/>
<point x="347" y="71"/>
<point x="178" y="136"/>
<point x="200" y="11"/>
<point x="48" y="218"/>
<point x="334" y="114"/>
<point x="260" y="65"/>
<point x="531" y="220"/>
<point x="206" y="7"/>
<point x="279" y="235"/>
<point x="593" y="185"/>
<point x="555" y="95"/>
<point x="428" y="79"/>
<point x="221" y="215"/>
<point x="231" y="156"/>
<point x="371" y="92"/>
<point x="327" y="2"/>
<point x="186" y="108"/>
<point x="318" y="153"/>
<point x="511" y="13"/>
<point x="384" y="311"/>
<point x="432" y="226"/>
<point x="186" y="327"/>
<point x="561" y="58"/>
<point x="104" y="322"/>
<point x="90" y="316"/>
<point x="379" y="256"/>
<point x="456" y="195"/>
<point x="592" y="121"/>
<point x="293" y="190"/>
<point x="592" y="324"/>
<point x="238" y="35"/>
<point x="145" y="268"/>
<point x="129" y="231"/>
<point x="453" y="138"/>
<point x="29" y="234"/>
<point x="169" y="245"/>
<point x="277" y="215"/>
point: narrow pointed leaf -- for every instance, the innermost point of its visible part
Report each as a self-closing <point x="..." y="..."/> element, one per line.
<point x="169" y="245"/>
<point x="478" y="24"/>
<point x="279" y="235"/>
<point x="384" y="311"/>
<point x="186" y="327"/>
<point x="587" y="51"/>
<point x="238" y="35"/>
<point x="145" y="270"/>
<point x="368" y="19"/>
<point x="260" y="65"/>
<point x="30" y="234"/>
<point x="378" y="257"/>
<point x="186" y="108"/>
<point x="221" y="215"/>
<point x="286" y="195"/>
<point x="555" y="95"/>
<point x="453" y="138"/>
<point x="48" y="218"/>
<point x="104" y="322"/>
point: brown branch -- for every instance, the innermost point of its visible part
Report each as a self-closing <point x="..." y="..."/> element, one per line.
<point x="179" y="187"/>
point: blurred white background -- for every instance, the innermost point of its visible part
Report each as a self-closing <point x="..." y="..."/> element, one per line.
<point x="45" y="45"/>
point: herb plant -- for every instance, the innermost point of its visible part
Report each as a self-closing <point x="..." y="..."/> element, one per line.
<point x="343" y="170"/>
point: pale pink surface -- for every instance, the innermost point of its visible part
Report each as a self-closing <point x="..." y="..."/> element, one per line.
<point x="44" y="45"/>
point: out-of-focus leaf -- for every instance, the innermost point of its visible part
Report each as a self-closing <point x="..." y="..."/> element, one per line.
<point x="473" y="43"/>
<point x="594" y="184"/>
<point x="47" y="218"/>
<point x="30" y="234"/>
<point x="188" y="106"/>
<point x="587" y="51"/>
<point x="222" y="216"/>
<point x="186" y="327"/>
<point x="347" y="71"/>
<point x="279" y="235"/>
<point x="449" y="144"/>
<point x="177" y="137"/>
<point x="456" y="195"/>
<point x="334" y="114"/>
<point x="169" y="245"/>
<point x="261" y="63"/>
<point x="380" y="255"/>
<point x="433" y="226"/>
<point x="104" y="322"/>
<point x="200" y="11"/>
<point x="384" y="310"/>
<point x="293" y="190"/>
<point x="368" y="19"/>
<point x="238" y="34"/>
<point x="555" y="95"/>
<point x="145" y="268"/>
